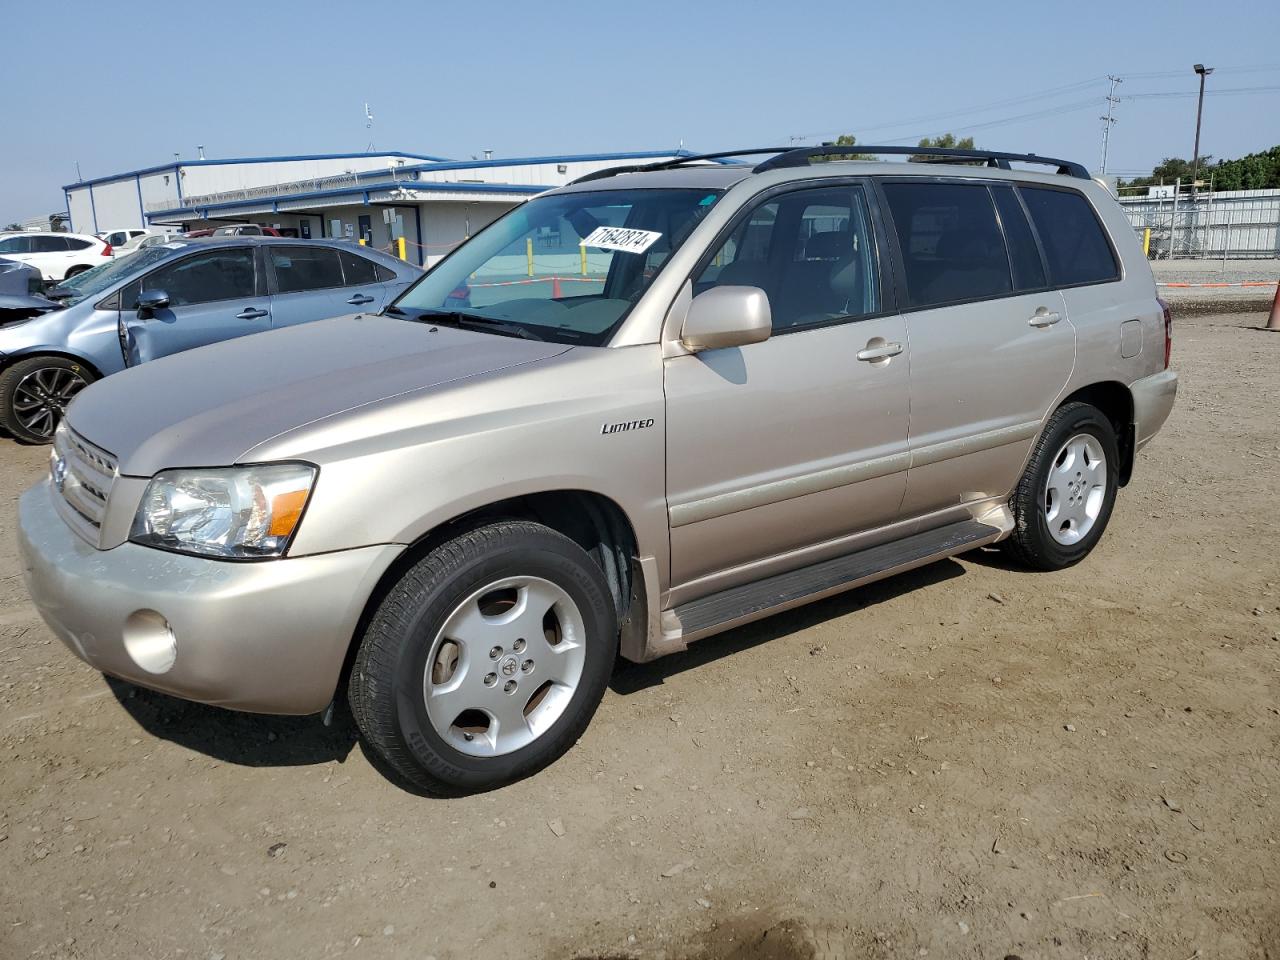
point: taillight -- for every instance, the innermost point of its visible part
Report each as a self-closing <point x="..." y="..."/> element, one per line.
<point x="106" y="249"/>
<point x="1168" y="332"/>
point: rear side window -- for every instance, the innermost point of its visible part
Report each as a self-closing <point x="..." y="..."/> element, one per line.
<point x="357" y="270"/>
<point x="75" y="243"/>
<point x="1074" y="242"/>
<point x="1024" y="255"/>
<point x="49" y="244"/>
<point x="305" y="268"/>
<point x="951" y="243"/>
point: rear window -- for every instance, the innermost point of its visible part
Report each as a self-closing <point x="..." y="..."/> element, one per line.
<point x="357" y="270"/>
<point x="305" y="268"/>
<point x="951" y="243"/>
<point x="1074" y="242"/>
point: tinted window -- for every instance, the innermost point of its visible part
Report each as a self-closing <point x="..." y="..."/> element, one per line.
<point x="49" y="244"/>
<point x="15" y="245"/>
<point x="811" y="251"/>
<point x="216" y="275"/>
<point x="952" y="248"/>
<point x="357" y="270"/>
<point x="1024" y="255"/>
<point x="75" y="243"/>
<point x="305" y="268"/>
<point x="383" y="273"/>
<point x="117" y="239"/>
<point x="1074" y="244"/>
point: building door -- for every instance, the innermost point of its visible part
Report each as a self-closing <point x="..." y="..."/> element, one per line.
<point x="366" y="228"/>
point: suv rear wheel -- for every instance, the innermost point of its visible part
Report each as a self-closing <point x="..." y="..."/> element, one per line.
<point x="487" y="660"/>
<point x="1063" y="501"/>
<point x="34" y="394"/>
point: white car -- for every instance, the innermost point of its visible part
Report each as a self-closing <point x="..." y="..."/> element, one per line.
<point x="56" y="255"/>
<point x="121" y="237"/>
<point x="141" y="242"/>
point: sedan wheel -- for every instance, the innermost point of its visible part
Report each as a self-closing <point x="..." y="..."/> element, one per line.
<point x="34" y="395"/>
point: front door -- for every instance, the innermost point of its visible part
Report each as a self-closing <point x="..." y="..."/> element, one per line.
<point x="366" y="228"/>
<point x="991" y="344"/>
<point x="801" y="439"/>
<point x="215" y="295"/>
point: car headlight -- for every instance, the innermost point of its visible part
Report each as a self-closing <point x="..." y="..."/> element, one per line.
<point x="239" y="513"/>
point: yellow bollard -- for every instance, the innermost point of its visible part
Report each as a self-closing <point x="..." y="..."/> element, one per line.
<point x="583" y="252"/>
<point x="1146" y="242"/>
<point x="400" y="248"/>
<point x="361" y="242"/>
<point x="528" y="252"/>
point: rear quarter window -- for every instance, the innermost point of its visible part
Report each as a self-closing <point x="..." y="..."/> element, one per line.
<point x="1075" y="244"/>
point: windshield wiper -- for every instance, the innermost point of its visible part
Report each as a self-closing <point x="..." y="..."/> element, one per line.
<point x="462" y="320"/>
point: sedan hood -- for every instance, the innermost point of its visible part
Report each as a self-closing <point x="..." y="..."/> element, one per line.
<point x="208" y="407"/>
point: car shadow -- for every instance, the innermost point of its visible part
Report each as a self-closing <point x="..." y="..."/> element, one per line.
<point x="633" y="677"/>
<point x="243" y="739"/>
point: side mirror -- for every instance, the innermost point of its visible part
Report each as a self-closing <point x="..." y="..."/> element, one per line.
<point x="727" y="317"/>
<point x="149" y="301"/>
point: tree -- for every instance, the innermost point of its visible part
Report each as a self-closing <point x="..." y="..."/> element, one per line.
<point x="946" y="141"/>
<point x="1255" y="171"/>
<point x="844" y="140"/>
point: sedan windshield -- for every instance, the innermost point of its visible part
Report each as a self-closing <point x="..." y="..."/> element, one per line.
<point x="100" y="279"/>
<point x="563" y="267"/>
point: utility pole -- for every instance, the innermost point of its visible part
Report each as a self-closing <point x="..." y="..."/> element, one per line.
<point x="1203" y="71"/>
<point x="1108" y="120"/>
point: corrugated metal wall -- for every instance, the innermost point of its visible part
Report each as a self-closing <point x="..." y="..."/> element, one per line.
<point x="1239" y="224"/>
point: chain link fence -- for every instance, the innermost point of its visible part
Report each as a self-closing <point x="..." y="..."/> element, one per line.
<point x="1236" y="225"/>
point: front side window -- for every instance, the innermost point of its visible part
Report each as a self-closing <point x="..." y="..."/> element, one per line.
<point x="204" y="278"/>
<point x="563" y="267"/>
<point x="950" y="240"/>
<point x="15" y="245"/>
<point x="1074" y="242"/>
<point x="305" y="268"/>
<point x="810" y="251"/>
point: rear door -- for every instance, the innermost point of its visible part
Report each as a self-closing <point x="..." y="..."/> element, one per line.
<point x="306" y="283"/>
<point x="214" y="295"/>
<point x="366" y="284"/>
<point x="991" y="345"/>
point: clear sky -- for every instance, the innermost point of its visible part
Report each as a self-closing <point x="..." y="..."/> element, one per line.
<point x="123" y="85"/>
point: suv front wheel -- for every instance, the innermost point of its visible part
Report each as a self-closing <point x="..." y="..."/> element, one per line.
<point x="1063" y="501"/>
<point x="487" y="660"/>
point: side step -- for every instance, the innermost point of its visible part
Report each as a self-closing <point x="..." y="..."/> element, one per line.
<point x="752" y="601"/>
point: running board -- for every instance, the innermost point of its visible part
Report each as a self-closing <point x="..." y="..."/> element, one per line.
<point x="752" y="601"/>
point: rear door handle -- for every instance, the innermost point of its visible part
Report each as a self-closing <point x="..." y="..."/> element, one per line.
<point x="1046" y="319"/>
<point x="360" y="298"/>
<point x="251" y="313"/>
<point x="882" y="352"/>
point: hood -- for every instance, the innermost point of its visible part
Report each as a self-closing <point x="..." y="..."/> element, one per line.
<point x="209" y="406"/>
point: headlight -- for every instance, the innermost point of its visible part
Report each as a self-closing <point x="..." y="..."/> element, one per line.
<point x="241" y="513"/>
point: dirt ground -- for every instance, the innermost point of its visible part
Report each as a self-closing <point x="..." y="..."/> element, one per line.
<point x="967" y="761"/>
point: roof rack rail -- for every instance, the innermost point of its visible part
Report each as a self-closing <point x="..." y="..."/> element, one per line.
<point x="674" y="162"/>
<point x="800" y="157"/>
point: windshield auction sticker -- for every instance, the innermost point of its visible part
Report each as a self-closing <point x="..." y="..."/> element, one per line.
<point x="621" y="238"/>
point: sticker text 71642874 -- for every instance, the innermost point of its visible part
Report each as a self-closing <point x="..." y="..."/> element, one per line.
<point x="620" y="238"/>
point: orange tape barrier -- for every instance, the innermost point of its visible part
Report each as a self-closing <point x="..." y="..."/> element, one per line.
<point x="1247" y="283"/>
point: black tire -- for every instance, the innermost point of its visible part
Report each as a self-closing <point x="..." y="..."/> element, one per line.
<point x="79" y="268"/>
<point x="24" y="424"/>
<point x="1032" y="542"/>
<point x="386" y="685"/>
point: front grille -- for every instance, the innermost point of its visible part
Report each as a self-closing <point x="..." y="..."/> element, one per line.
<point x="84" y="480"/>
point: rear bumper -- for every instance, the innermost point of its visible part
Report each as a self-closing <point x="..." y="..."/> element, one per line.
<point x="1153" y="398"/>
<point x="267" y="637"/>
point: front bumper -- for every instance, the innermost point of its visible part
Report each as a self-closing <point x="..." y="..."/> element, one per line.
<point x="267" y="637"/>
<point x="1153" y="398"/>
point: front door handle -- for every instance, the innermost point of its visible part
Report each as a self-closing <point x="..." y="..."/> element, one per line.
<point x="881" y="351"/>
<point x="360" y="298"/>
<point x="1044" y="318"/>
<point x="251" y="313"/>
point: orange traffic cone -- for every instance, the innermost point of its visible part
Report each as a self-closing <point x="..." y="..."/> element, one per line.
<point x="1274" y="322"/>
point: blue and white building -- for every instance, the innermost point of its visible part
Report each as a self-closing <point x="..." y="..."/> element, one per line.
<point x="432" y="202"/>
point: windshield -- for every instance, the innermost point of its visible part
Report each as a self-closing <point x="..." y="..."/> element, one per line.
<point x="90" y="283"/>
<point x="563" y="267"/>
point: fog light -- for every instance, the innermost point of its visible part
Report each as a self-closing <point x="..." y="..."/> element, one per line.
<point x="149" y="640"/>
